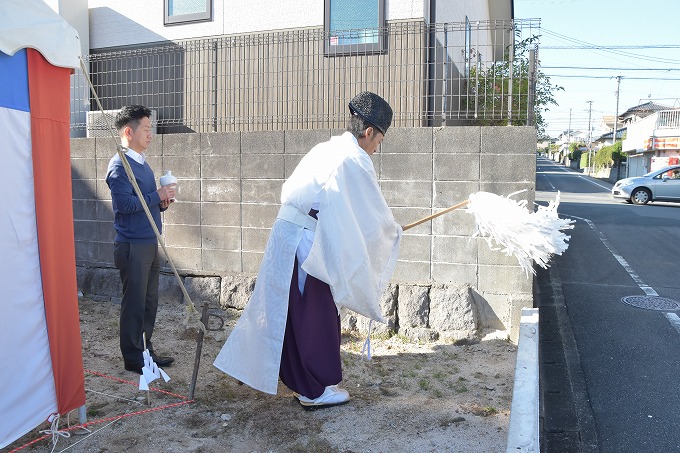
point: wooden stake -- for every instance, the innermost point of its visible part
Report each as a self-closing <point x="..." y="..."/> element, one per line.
<point x="430" y="217"/>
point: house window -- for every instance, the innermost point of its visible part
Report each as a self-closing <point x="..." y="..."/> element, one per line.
<point x="354" y="26"/>
<point x="183" y="11"/>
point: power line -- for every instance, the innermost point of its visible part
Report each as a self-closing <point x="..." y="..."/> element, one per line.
<point x="596" y="47"/>
<point x="610" y="51"/>
<point x="610" y="77"/>
<point x="610" y="69"/>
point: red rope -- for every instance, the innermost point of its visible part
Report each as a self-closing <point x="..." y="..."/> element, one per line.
<point x="135" y="384"/>
<point x="116" y="417"/>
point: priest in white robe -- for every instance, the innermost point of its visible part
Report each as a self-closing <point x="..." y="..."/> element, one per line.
<point x="333" y="245"/>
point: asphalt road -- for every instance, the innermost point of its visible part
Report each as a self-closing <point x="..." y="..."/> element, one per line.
<point x="609" y="369"/>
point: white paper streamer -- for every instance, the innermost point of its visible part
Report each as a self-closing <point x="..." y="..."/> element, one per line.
<point x="150" y="372"/>
<point x="509" y="226"/>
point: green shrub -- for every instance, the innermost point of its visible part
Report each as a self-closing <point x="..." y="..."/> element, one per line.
<point x="608" y="156"/>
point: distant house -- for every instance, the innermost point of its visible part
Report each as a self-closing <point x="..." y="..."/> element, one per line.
<point x="572" y="136"/>
<point x="606" y="125"/>
<point x="608" y="138"/>
<point x="653" y="134"/>
<point x="639" y="112"/>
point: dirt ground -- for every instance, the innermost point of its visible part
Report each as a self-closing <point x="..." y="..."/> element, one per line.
<point x="409" y="398"/>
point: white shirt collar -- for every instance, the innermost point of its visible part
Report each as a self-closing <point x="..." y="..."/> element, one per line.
<point x="137" y="157"/>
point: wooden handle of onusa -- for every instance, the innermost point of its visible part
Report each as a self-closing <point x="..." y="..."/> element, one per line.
<point x="430" y="217"/>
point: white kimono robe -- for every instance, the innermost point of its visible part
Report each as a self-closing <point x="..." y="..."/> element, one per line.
<point x="354" y="251"/>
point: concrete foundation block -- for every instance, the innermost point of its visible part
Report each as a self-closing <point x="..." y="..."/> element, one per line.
<point x="388" y="305"/>
<point x="452" y="308"/>
<point x="169" y="291"/>
<point x="419" y="334"/>
<point x="82" y="273"/>
<point x="414" y="306"/>
<point x="493" y="310"/>
<point x="235" y="291"/>
<point x="103" y="282"/>
<point x="203" y="289"/>
<point x="459" y="337"/>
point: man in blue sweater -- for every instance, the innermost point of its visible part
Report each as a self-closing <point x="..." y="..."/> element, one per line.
<point x="136" y="247"/>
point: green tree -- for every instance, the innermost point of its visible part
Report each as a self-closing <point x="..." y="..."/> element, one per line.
<point x="609" y="155"/>
<point x="490" y="88"/>
<point x="575" y="151"/>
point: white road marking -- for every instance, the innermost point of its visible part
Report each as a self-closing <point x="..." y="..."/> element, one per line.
<point x="566" y="170"/>
<point x="596" y="183"/>
<point x="674" y="320"/>
<point x="648" y="290"/>
<point x="551" y="184"/>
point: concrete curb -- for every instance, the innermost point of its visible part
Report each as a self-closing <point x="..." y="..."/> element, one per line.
<point x="579" y="389"/>
<point x="523" y="432"/>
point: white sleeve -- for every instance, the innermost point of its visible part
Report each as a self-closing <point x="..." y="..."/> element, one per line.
<point x="356" y="243"/>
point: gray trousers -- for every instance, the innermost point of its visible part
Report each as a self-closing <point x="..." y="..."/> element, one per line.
<point x="139" y="266"/>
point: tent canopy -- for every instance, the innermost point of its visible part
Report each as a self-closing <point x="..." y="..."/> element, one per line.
<point x="33" y="24"/>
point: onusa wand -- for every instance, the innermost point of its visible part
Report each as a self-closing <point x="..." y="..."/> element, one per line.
<point x="508" y="225"/>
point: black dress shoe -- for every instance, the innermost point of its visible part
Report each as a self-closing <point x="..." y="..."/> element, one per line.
<point x="134" y="368"/>
<point x="162" y="361"/>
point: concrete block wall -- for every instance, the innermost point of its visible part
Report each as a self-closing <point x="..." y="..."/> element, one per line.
<point x="229" y="195"/>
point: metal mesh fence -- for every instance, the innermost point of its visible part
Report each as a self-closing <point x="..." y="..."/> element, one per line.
<point x="432" y="75"/>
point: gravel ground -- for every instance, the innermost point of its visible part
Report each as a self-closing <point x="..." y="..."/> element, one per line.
<point x="410" y="397"/>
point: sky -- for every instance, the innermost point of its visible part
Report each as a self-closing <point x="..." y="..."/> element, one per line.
<point x="649" y="72"/>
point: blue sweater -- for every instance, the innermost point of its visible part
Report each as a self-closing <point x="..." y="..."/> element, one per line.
<point x="130" y="220"/>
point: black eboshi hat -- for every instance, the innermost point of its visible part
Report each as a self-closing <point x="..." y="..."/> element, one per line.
<point x="373" y="109"/>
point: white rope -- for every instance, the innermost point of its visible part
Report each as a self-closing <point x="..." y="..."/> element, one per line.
<point x="89" y="435"/>
<point x="113" y="396"/>
<point x="367" y="343"/>
<point x="54" y="430"/>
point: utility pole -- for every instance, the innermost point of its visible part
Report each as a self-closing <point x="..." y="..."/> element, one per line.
<point x="590" y="137"/>
<point x="616" y="117"/>
<point x="616" y="121"/>
<point x="569" y="130"/>
<point x="569" y="133"/>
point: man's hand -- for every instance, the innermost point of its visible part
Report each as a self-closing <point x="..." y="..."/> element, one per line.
<point x="165" y="203"/>
<point x="166" y="193"/>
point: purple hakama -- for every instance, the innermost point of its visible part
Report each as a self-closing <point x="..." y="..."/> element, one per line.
<point x="310" y="359"/>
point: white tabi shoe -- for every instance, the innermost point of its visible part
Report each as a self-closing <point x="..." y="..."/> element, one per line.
<point x="332" y="396"/>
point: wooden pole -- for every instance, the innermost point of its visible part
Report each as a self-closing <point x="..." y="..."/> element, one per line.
<point x="430" y="217"/>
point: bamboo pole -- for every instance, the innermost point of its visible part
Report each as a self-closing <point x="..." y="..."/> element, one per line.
<point x="430" y="217"/>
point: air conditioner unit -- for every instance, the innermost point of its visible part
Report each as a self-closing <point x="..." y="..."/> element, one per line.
<point x="98" y="123"/>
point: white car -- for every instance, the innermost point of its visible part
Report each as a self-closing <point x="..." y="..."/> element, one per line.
<point x="657" y="185"/>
